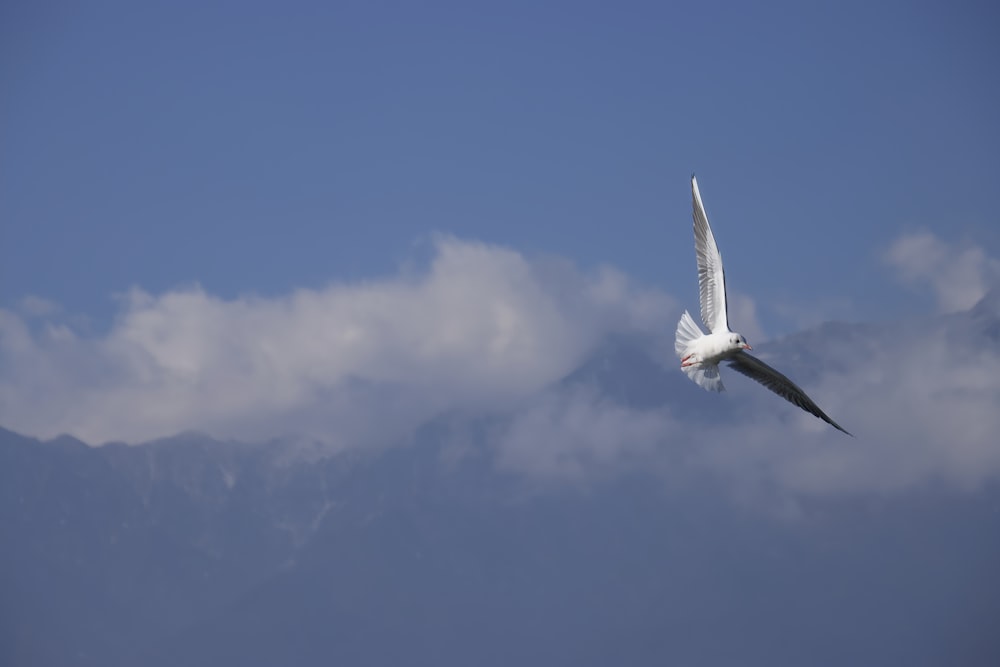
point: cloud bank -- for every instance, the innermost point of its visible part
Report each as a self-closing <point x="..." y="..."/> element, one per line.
<point x="480" y="327"/>
<point x="958" y="275"/>
<point x="484" y="333"/>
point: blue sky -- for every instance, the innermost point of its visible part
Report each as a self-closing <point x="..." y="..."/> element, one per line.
<point x="254" y="151"/>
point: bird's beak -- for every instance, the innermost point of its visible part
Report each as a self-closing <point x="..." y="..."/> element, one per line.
<point x="746" y="346"/>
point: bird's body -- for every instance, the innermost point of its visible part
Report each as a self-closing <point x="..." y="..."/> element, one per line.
<point x="701" y="353"/>
<point x="711" y="349"/>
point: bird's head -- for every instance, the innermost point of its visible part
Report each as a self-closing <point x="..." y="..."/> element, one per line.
<point x="739" y="342"/>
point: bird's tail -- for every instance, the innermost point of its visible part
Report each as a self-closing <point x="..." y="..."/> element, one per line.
<point x="687" y="331"/>
<point x="704" y="375"/>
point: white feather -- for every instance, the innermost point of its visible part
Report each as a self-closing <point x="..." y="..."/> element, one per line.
<point x="711" y="277"/>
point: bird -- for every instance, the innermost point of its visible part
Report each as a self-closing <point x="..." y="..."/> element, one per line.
<point x="701" y="353"/>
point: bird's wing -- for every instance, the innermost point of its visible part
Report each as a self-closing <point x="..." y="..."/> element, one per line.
<point x="755" y="369"/>
<point x="711" y="277"/>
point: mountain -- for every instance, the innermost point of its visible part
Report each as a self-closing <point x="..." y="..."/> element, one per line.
<point x="195" y="551"/>
<point x="198" y="552"/>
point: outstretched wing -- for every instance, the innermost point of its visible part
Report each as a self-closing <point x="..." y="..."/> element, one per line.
<point x="711" y="277"/>
<point x="755" y="369"/>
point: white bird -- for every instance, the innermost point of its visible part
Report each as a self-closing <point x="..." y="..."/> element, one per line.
<point x="701" y="353"/>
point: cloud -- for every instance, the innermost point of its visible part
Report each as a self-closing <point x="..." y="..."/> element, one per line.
<point x="507" y="350"/>
<point x="36" y="306"/>
<point x="480" y="327"/>
<point x="572" y="433"/>
<point x="959" y="275"/>
<point x="921" y="401"/>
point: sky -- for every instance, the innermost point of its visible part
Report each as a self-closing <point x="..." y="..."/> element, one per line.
<point x="248" y="221"/>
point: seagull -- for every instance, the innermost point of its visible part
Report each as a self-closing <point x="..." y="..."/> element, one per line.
<point x="701" y="353"/>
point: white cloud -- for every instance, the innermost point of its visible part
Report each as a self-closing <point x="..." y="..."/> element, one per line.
<point x="921" y="402"/>
<point x="36" y="306"/>
<point x="959" y="275"/>
<point x="573" y="433"/>
<point x="485" y="333"/>
<point x="481" y="327"/>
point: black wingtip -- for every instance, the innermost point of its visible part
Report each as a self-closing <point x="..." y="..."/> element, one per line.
<point x="839" y="427"/>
